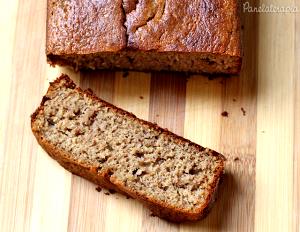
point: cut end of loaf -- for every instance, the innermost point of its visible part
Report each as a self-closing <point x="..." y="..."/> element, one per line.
<point x="151" y="61"/>
<point x="159" y="168"/>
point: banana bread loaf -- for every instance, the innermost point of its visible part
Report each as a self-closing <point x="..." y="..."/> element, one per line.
<point x="175" y="178"/>
<point x="192" y="35"/>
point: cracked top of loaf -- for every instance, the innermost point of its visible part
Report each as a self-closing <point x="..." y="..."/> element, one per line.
<point x="85" y="27"/>
<point x="189" y="26"/>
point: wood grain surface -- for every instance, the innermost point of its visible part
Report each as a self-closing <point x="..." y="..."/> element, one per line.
<point x="260" y="137"/>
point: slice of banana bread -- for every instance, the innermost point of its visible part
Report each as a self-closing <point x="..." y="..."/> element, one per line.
<point x="190" y="36"/>
<point x="175" y="178"/>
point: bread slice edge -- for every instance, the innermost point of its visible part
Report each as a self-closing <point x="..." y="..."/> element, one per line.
<point x="104" y="178"/>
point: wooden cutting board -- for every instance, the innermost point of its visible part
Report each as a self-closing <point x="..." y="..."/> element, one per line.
<point x="260" y="137"/>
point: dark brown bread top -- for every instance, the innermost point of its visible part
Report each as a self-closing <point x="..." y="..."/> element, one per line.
<point x="186" y="26"/>
<point x="85" y="27"/>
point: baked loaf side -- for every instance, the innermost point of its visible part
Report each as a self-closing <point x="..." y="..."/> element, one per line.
<point x="192" y="36"/>
<point x="174" y="177"/>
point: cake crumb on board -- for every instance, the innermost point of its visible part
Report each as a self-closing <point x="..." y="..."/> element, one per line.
<point x="244" y="111"/>
<point x="225" y="114"/>
<point x="99" y="189"/>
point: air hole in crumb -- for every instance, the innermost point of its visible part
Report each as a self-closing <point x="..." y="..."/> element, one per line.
<point x="102" y="160"/>
<point x="109" y="147"/>
<point x="194" y="187"/>
<point x="78" y="132"/>
<point x="134" y="171"/>
<point x="209" y="61"/>
<point x="91" y="119"/>
<point x="194" y="171"/>
<point x="144" y="164"/>
<point x="139" y="154"/>
<point x="110" y="173"/>
<point x="50" y="121"/>
<point x="168" y="169"/>
<point x="159" y="160"/>
<point x="76" y="112"/>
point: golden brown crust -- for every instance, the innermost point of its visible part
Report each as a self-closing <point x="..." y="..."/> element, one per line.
<point x="185" y="26"/>
<point x="194" y="28"/>
<point x="104" y="177"/>
<point x="85" y="27"/>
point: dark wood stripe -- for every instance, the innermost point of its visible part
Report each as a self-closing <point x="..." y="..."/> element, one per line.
<point x="167" y="101"/>
<point x="83" y="193"/>
<point x="167" y="106"/>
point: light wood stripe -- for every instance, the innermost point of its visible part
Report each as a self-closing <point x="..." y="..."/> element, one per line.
<point x="236" y="194"/>
<point x="88" y="207"/>
<point x="296" y="216"/>
<point x="50" y="210"/>
<point x="167" y="104"/>
<point x="238" y="137"/>
<point x="275" y="117"/>
<point x="100" y="82"/>
<point x="234" y="136"/>
<point x="131" y="93"/>
<point x="202" y="125"/>
<point x="17" y="181"/>
<point x="203" y="111"/>
<point x="238" y="144"/>
<point x="7" y="47"/>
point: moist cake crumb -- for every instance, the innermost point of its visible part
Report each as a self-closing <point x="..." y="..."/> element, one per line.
<point x="176" y="178"/>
